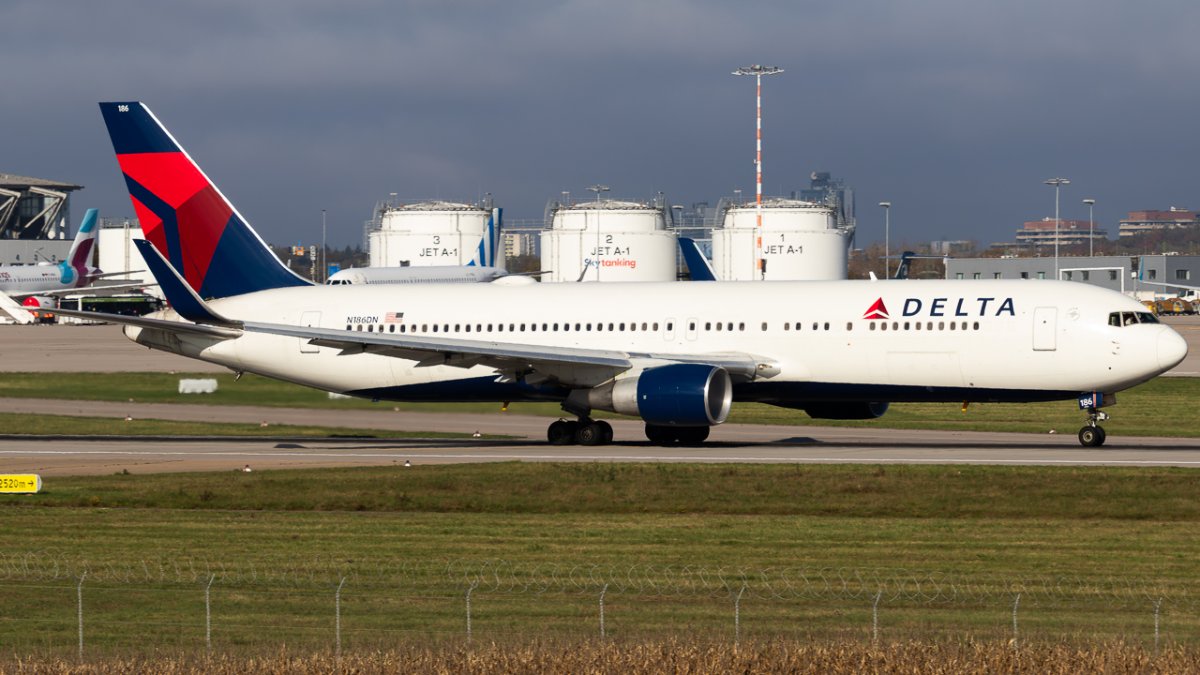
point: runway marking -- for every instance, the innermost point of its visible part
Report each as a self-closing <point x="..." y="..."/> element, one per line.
<point x="638" y="458"/>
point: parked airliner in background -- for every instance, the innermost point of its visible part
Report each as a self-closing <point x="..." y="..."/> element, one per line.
<point x="438" y="274"/>
<point x="674" y="354"/>
<point x="37" y="285"/>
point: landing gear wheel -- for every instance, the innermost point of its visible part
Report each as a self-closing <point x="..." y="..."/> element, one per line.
<point x="606" y="432"/>
<point x="692" y="435"/>
<point x="561" y="432"/>
<point x="1092" y="437"/>
<point x="589" y="433"/>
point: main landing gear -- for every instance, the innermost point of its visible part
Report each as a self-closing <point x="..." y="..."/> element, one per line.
<point x="584" y="432"/>
<point x="1092" y="435"/>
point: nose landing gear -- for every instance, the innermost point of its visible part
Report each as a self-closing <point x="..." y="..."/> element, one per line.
<point x="1092" y="435"/>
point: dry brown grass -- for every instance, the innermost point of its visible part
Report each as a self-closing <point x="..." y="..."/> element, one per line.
<point x="668" y="656"/>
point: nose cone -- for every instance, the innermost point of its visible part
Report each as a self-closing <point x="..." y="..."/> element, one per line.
<point x="1171" y="349"/>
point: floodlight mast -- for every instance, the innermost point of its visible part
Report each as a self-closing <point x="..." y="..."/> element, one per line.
<point x="758" y="71"/>
<point x="1057" y="183"/>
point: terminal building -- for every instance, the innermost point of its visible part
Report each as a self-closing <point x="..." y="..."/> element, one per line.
<point x="35" y="216"/>
<point x="1143" y="276"/>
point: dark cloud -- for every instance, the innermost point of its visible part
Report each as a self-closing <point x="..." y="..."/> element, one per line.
<point x="953" y="111"/>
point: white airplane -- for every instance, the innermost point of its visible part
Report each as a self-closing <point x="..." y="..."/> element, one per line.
<point x="437" y="274"/>
<point x="37" y="285"/>
<point x="674" y="354"/>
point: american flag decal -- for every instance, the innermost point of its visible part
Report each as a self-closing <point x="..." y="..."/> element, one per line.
<point x="394" y="317"/>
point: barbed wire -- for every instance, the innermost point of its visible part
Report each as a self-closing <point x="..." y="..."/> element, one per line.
<point x="893" y="585"/>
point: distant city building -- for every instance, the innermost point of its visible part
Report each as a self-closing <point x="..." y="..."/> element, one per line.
<point x="951" y="248"/>
<point x="1144" y="221"/>
<point x="520" y="243"/>
<point x="824" y="189"/>
<point x="1043" y="232"/>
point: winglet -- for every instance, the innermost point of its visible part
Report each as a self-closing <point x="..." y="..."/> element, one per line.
<point x="178" y="292"/>
<point x="697" y="264"/>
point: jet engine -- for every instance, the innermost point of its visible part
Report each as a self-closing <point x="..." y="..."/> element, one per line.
<point x="677" y="395"/>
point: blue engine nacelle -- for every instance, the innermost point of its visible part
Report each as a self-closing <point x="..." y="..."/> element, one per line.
<point x="678" y="395"/>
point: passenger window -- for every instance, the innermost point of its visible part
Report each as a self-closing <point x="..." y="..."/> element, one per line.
<point x="976" y="325"/>
<point x="883" y="325"/>
<point x="456" y="328"/>
<point x="741" y="326"/>
<point x="764" y="326"/>
<point x="826" y="325"/>
<point x="906" y="325"/>
<point x="872" y="325"/>
<point x="787" y="326"/>
<point x="951" y="325"/>
<point x="849" y="326"/>
<point x="708" y="325"/>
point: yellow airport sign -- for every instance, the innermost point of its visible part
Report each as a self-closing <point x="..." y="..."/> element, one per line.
<point x="20" y="483"/>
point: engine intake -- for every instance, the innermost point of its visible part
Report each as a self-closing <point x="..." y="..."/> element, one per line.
<point x="678" y="395"/>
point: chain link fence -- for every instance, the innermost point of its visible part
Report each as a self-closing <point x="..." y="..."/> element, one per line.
<point x="56" y="604"/>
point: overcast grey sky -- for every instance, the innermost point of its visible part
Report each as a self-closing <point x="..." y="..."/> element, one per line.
<point x="953" y="110"/>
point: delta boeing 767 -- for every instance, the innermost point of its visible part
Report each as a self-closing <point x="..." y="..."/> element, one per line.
<point x="675" y="355"/>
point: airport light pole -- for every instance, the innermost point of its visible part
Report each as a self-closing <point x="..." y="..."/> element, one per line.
<point x="324" y="266"/>
<point x="1091" y="225"/>
<point x="598" y="189"/>
<point x="887" y="227"/>
<point x="758" y="71"/>
<point x="1057" y="183"/>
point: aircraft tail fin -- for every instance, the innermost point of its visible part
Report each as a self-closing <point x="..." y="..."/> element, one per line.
<point x="697" y="264"/>
<point x="906" y="259"/>
<point x="486" y="255"/>
<point x="85" y="240"/>
<point x="183" y="213"/>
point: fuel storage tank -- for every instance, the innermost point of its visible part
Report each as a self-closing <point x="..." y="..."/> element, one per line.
<point x="427" y="233"/>
<point x="608" y="240"/>
<point x="801" y="241"/>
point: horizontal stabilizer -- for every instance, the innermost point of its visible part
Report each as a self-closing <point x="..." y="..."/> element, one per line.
<point x="178" y="293"/>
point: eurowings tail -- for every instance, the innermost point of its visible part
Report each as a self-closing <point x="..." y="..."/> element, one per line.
<point x="184" y="215"/>
<point x="85" y="241"/>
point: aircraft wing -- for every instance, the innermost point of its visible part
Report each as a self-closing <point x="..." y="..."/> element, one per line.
<point x="570" y="365"/>
<point x="1167" y="285"/>
<point x="96" y="291"/>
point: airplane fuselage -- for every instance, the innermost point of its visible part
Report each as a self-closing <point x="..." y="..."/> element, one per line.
<point x="26" y="279"/>
<point x="826" y="341"/>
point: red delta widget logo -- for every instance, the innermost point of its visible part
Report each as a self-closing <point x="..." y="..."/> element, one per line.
<point x="945" y="307"/>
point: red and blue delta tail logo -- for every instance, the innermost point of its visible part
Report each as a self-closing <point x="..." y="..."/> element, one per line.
<point x="878" y="310"/>
<point x="184" y="215"/>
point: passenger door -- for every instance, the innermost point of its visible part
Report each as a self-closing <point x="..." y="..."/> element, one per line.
<point x="1045" y="325"/>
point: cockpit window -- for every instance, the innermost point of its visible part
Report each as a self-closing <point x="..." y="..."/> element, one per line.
<point x="1130" y="318"/>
